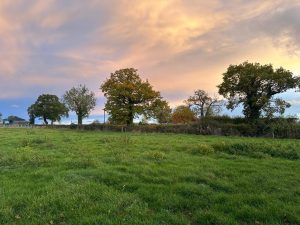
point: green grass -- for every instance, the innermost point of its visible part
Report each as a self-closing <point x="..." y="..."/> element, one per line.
<point x="73" y="177"/>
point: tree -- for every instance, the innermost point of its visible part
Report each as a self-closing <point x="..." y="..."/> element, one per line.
<point x="254" y="86"/>
<point x="129" y="97"/>
<point x="162" y="111"/>
<point x="275" y="106"/>
<point x="203" y="104"/>
<point x="183" y="114"/>
<point x="47" y="107"/>
<point x="30" y="111"/>
<point x="81" y="101"/>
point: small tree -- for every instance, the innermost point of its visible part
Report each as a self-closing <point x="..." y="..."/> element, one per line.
<point x="129" y="97"/>
<point x="203" y="104"/>
<point x="254" y="86"/>
<point x="47" y="107"/>
<point x="183" y="114"/>
<point x="30" y="111"/>
<point x="81" y="101"/>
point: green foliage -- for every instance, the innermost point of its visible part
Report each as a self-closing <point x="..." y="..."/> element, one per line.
<point x="129" y="97"/>
<point x="254" y="85"/>
<point x="161" y="111"/>
<point x="30" y="111"/>
<point x="275" y="106"/>
<point x="47" y="107"/>
<point x="52" y="176"/>
<point x="80" y="100"/>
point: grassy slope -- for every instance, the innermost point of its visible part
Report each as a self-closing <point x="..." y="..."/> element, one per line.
<point x="69" y="177"/>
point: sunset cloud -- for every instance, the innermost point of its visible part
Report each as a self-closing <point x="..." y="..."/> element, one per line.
<point x="49" y="46"/>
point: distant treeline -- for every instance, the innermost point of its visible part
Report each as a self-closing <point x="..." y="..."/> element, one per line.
<point x="252" y="86"/>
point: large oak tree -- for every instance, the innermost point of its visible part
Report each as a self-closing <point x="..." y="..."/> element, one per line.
<point x="254" y="86"/>
<point x="128" y="97"/>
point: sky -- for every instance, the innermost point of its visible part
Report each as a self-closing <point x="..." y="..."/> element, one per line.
<point x="50" y="46"/>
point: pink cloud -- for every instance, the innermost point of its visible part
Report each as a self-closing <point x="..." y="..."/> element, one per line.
<point x="179" y="46"/>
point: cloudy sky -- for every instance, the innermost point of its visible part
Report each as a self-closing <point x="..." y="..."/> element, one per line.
<point x="49" y="46"/>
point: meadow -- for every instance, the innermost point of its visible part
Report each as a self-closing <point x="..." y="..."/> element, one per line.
<point x="74" y="177"/>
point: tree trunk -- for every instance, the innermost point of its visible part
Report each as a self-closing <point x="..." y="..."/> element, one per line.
<point x="79" y="119"/>
<point x="130" y="115"/>
<point x="45" y="120"/>
<point x="251" y="107"/>
<point x="253" y="112"/>
<point x="209" y="111"/>
<point x="32" y="120"/>
<point x="202" y="110"/>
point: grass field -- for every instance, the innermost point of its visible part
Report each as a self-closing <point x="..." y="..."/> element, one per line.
<point x="73" y="177"/>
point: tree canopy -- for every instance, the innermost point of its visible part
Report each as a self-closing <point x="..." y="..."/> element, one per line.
<point x="203" y="104"/>
<point x="162" y="111"/>
<point x="254" y="86"/>
<point x="183" y="114"/>
<point x="47" y="107"/>
<point x="128" y="97"/>
<point x="81" y="101"/>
